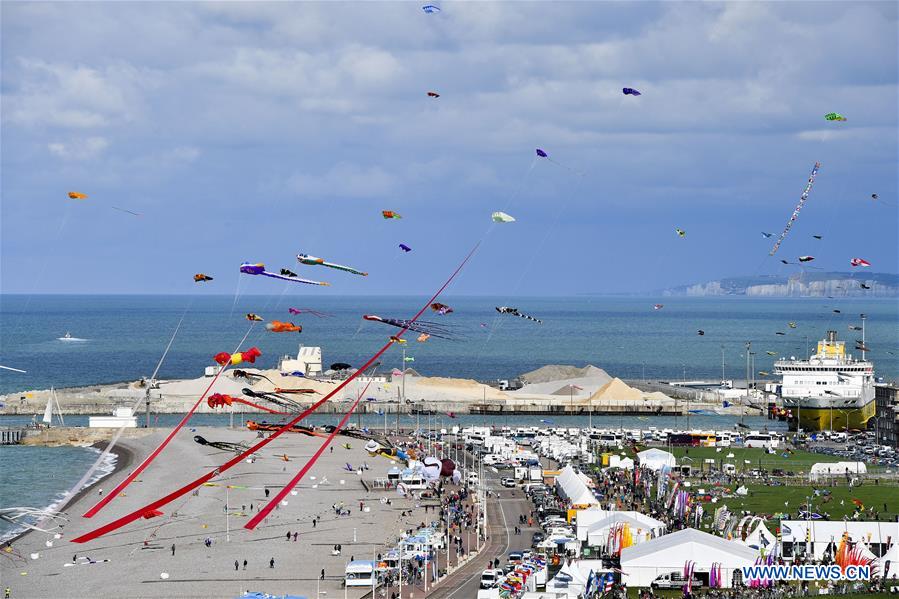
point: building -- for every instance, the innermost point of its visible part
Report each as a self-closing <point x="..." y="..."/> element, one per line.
<point x="886" y="399"/>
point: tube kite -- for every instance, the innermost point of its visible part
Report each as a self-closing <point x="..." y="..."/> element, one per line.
<point x="200" y="277"/>
<point x="250" y="355"/>
<point x="629" y="91"/>
<point x="802" y="199"/>
<point x="276" y="326"/>
<point x="859" y="262"/>
<point x="387" y="214"/>
<point x="405" y="248"/>
<point x="258" y="268"/>
<point x="315" y="261"/>
<point x="515" y="312"/>
<point x="502" y="217"/>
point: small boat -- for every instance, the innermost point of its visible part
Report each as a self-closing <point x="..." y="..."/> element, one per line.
<point x="68" y="337"/>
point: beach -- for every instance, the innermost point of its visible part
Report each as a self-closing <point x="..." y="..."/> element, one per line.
<point x="139" y="554"/>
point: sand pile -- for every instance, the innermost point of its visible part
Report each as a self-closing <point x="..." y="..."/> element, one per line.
<point x="616" y="390"/>
<point x="561" y="372"/>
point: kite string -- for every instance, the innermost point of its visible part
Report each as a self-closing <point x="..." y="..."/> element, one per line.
<point x="149" y="459"/>
<point x="120" y="522"/>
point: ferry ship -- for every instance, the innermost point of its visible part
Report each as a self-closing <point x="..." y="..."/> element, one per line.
<point x="831" y="390"/>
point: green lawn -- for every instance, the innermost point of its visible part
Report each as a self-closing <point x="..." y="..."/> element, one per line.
<point x="797" y="461"/>
<point x="764" y="499"/>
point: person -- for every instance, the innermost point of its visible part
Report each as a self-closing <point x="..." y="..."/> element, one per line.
<point x="266" y="493"/>
<point x="322" y="577"/>
<point x="7" y="592"/>
<point x="173" y="549"/>
<point x="244" y="564"/>
<point x="74" y="558"/>
<point x="288" y="535"/>
<point x="313" y="523"/>
<point x="271" y="563"/>
<point x="295" y="535"/>
<point x="236" y="565"/>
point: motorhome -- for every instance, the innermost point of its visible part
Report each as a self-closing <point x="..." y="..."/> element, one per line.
<point x="361" y="573"/>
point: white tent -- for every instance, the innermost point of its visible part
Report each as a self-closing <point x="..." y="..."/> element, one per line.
<point x="656" y="458"/>
<point x="761" y="538"/>
<point x="584" y="519"/>
<point x="824" y="470"/>
<point x="643" y="527"/>
<point x="571" y="486"/>
<point x="616" y="461"/>
<point x="571" y="580"/>
<point x="643" y="563"/>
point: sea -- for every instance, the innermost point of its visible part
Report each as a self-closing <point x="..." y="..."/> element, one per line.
<point x="123" y="337"/>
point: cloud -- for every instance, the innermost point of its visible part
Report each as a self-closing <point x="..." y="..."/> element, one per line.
<point x="82" y="149"/>
<point x="343" y="180"/>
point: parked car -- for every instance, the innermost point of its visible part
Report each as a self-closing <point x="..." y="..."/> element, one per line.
<point x="673" y="580"/>
<point x="508" y="482"/>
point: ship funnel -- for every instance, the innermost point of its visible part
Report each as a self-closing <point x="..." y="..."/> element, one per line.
<point x="831" y="336"/>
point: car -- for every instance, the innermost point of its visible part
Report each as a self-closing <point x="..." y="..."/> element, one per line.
<point x="538" y="537"/>
<point x="489" y="578"/>
<point x="673" y="580"/>
<point x="508" y="482"/>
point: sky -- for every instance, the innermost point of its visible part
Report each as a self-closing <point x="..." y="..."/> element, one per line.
<point x="256" y="131"/>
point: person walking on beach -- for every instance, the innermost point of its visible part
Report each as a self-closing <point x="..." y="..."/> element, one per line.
<point x="271" y="563"/>
<point x="288" y="535"/>
<point x="266" y="493"/>
<point x="244" y="564"/>
<point x="173" y="550"/>
<point x="322" y="577"/>
<point x="236" y="565"/>
<point x="313" y="523"/>
<point x="295" y="535"/>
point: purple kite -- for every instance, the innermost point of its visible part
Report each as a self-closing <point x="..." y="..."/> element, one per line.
<point x="405" y="247"/>
<point x="542" y="154"/>
<point x="629" y="91"/>
<point x="258" y="268"/>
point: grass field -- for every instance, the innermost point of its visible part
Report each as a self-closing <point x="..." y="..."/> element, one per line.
<point x="797" y="461"/>
<point x="763" y="499"/>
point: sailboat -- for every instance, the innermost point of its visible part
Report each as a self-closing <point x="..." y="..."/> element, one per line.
<point x="48" y="411"/>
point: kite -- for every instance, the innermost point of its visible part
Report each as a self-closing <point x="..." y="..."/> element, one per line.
<point x="315" y="313"/>
<point x="254" y="317"/>
<point x="423" y="337"/>
<point x="441" y="308"/>
<point x="515" y="312"/>
<point x="767" y="235"/>
<point x="658" y="306"/>
<point x="700" y="332"/>
<point x="389" y="214"/>
<point x="629" y="91"/>
<point x="431" y="329"/>
<point x="299" y="391"/>
<point x="276" y="326"/>
<point x="806" y="258"/>
<point x="863" y="286"/>
<point x="818" y="237"/>
<point x="834" y="116"/>
<point x="433" y="95"/>
<point x="859" y="262"/>
<point x="200" y="277"/>
<point x="314" y="261"/>
<point x="220" y="400"/>
<point x="395" y="339"/>
<point x="258" y="268"/>
<point x="680" y="232"/>
<point x="874" y="196"/>
<point x="837" y="312"/>
<point x="771" y="353"/>
<point x="802" y="199"/>
<point x="784" y="262"/>
<point x="405" y="248"/>
<point x="791" y="324"/>
<point x="77" y="195"/>
<point x="250" y="355"/>
<point x="274" y="398"/>
<point x="780" y="333"/>
<point x="430" y="9"/>
<point x="288" y="273"/>
<point x="861" y="346"/>
<point x="243" y="374"/>
<point x="764" y="373"/>
<point x="502" y="217"/>
<point x="542" y="154"/>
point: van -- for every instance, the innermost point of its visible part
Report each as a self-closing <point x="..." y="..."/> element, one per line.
<point x="489" y="578"/>
<point x="673" y="580"/>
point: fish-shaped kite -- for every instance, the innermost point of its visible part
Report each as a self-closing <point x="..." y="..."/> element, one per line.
<point x="200" y="277"/>
<point x="315" y="261"/>
<point x="515" y="312"/>
<point x="629" y="91"/>
<point x="276" y="326"/>
<point x="502" y="217"/>
<point x="390" y="214"/>
<point x="258" y="268"/>
<point x="859" y="262"/>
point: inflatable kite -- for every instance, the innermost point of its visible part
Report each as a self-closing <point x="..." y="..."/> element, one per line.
<point x="802" y="199"/>
<point x="389" y="214"/>
<point x="515" y="312"/>
<point x="859" y="262"/>
<point x="629" y="91"/>
<point x="77" y="195"/>
<point x="250" y="355"/>
<point x="441" y="308"/>
<point x="254" y="317"/>
<point x="502" y="217"/>
<point x="315" y="261"/>
<point x="405" y="248"/>
<point x="200" y="277"/>
<point x="220" y="400"/>
<point x="258" y="268"/>
<point x="834" y="116"/>
<point x="423" y="337"/>
<point x="432" y="329"/>
<point x="276" y="326"/>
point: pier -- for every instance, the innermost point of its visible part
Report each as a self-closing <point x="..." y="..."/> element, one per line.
<point x="11" y="436"/>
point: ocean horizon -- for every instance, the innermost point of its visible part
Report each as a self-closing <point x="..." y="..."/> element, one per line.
<point x="123" y="336"/>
